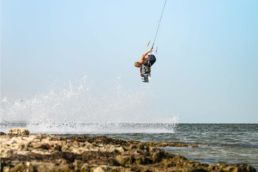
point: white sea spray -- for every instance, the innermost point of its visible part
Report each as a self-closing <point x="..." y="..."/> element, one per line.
<point x="80" y="108"/>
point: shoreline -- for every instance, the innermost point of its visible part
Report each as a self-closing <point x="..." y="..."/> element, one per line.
<point x="22" y="151"/>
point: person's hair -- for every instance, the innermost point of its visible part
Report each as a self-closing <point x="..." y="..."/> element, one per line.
<point x="137" y="64"/>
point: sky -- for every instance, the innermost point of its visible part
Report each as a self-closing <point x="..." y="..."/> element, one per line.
<point x="207" y="59"/>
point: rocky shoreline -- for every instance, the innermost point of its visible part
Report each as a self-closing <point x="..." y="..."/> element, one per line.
<point x="22" y="151"/>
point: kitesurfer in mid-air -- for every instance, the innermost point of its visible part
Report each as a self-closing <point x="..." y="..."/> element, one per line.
<point x="144" y="63"/>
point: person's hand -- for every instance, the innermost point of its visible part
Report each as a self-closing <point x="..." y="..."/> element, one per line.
<point x="150" y="50"/>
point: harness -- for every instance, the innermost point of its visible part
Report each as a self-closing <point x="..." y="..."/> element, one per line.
<point x="145" y="69"/>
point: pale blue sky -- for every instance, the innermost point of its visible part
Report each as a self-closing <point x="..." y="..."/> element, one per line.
<point x="207" y="63"/>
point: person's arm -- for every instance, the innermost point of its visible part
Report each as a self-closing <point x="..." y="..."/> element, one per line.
<point x="147" y="52"/>
<point x="145" y="55"/>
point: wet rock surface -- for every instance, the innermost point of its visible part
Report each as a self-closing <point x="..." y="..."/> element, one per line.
<point x="18" y="132"/>
<point x="24" y="152"/>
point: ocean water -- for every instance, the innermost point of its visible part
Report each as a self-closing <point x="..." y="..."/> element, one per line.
<point x="230" y="143"/>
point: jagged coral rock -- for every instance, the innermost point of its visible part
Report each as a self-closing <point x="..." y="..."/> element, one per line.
<point x="18" y="132"/>
<point x="84" y="153"/>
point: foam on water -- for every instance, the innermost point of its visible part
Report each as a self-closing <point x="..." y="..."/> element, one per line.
<point x="93" y="128"/>
<point x="80" y="108"/>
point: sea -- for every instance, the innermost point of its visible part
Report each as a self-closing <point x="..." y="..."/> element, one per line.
<point x="229" y="143"/>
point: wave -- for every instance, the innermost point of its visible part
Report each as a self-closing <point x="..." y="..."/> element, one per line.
<point x="79" y="107"/>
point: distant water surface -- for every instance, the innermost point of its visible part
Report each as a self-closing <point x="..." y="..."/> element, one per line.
<point x="230" y="143"/>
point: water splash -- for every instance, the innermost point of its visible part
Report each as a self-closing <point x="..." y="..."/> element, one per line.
<point x="79" y="108"/>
